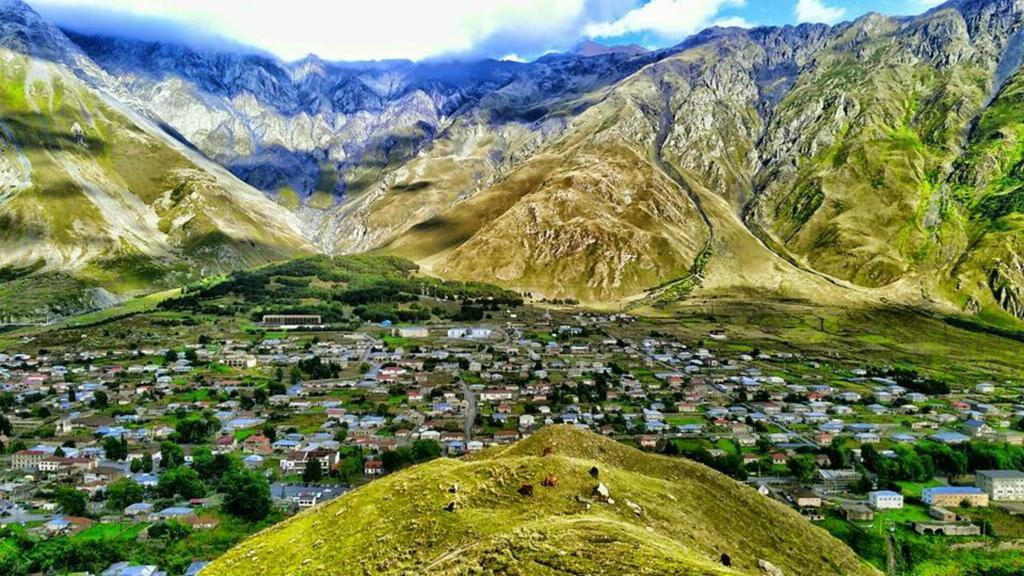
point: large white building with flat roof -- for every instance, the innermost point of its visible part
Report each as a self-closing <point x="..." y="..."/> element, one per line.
<point x="885" y="500"/>
<point x="1001" y="485"/>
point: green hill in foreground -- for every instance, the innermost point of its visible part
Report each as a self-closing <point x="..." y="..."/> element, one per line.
<point x="663" y="516"/>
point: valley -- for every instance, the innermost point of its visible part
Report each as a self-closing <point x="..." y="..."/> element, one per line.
<point x="372" y="366"/>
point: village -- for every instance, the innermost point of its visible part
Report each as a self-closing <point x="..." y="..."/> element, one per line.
<point x="155" y="445"/>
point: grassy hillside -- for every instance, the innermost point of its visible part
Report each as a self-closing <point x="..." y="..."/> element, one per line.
<point x="342" y="290"/>
<point x="90" y="194"/>
<point x="665" y="516"/>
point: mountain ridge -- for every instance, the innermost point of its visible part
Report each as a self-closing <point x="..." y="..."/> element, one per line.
<point x="824" y="163"/>
<point x="93" y="193"/>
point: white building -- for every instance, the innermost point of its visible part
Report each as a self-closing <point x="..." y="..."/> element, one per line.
<point x="1001" y="485"/>
<point x="885" y="500"/>
<point x="413" y="332"/>
<point x="472" y="333"/>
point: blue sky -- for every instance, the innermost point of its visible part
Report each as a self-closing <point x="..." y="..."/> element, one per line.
<point x="422" y="29"/>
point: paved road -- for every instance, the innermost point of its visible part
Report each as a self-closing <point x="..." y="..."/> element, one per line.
<point x="20" y="517"/>
<point x="470" y="397"/>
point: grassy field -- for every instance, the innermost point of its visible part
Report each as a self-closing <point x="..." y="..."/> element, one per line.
<point x="939" y="347"/>
<point x="1002" y="523"/>
<point x="7" y="547"/>
<point x="914" y="489"/>
<point x="123" y="531"/>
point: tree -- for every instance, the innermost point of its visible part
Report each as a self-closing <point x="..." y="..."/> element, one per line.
<point x="863" y="485"/>
<point x="351" y="465"/>
<point x="99" y="400"/>
<point x="172" y="531"/>
<point x="211" y="467"/>
<point x="836" y="455"/>
<point x="5" y="426"/>
<point x="135" y="466"/>
<point x="313" y="472"/>
<point x="147" y="462"/>
<point x="396" y="459"/>
<point x="423" y="450"/>
<point x="181" y="481"/>
<point x="246" y="495"/>
<point x="801" y="466"/>
<point x="195" y="429"/>
<point x="71" y="501"/>
<point x="171" y="455"/>
<point x="115" y="448"/>
<point x="123" y="493"/>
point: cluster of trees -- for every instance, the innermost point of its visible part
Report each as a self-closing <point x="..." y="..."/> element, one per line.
<point x="923" y="460"/>
<point x="194" y="428"/>
<point x="314" y="369"/>
<point x="71" y="501"/>
<point x="911" y="380"/>
<point x="376" y="286"/>
<point x="390" y="312"/>
<point x="731" y="464"/>
<point x="246" y="493"/>
<point x="908" y="464"/>
<point x="124" y="492"/>
<point x="350" y="464"/>
<point x="596" y="391"/>
<point x="115" y="448"/>
<point x="419" y="451"/>
<point x="6" y="429"/>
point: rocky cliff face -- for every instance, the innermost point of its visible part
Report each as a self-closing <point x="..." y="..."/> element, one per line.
<point x="874" y="158"/>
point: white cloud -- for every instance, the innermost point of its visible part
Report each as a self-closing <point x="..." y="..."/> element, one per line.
<point x="665" y="18"/>
<point x="817" y="11"/>
<point x="733" y="21"/>
<point x="347" y="30"/>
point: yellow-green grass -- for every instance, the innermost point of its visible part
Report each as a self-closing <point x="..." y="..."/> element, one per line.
<point x="667" y="516"/>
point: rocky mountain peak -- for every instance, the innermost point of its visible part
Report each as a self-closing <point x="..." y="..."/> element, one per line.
<point x="590" y="48"/>
<point x="23" y="30"/>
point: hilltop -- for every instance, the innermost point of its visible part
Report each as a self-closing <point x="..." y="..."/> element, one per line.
<point x="662" y="516"/>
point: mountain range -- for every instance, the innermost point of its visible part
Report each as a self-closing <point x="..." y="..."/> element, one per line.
<point x="874" y="161"/>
